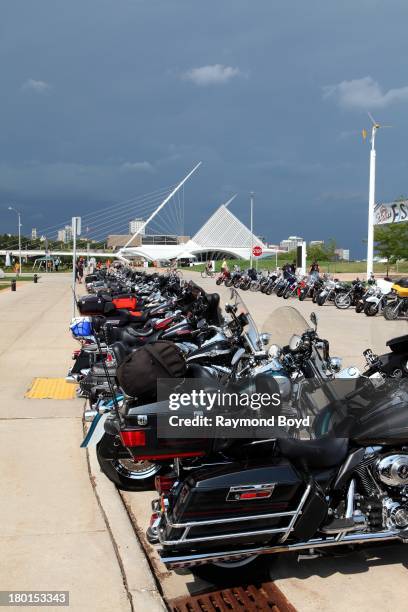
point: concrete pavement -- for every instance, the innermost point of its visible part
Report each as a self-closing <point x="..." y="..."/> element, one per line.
<point x="54" y="532"/>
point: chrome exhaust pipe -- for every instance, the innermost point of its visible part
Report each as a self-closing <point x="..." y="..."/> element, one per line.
<point x="71" y="379"/>
<point x="201" y="559"/>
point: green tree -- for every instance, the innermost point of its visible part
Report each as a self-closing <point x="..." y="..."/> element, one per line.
<point x="316" y="252"/>
<point x="391" y="242"/>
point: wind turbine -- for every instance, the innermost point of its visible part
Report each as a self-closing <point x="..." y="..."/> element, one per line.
<point x="371" y="196"/>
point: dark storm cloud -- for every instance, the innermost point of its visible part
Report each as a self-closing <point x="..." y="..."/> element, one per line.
<point x="106" y="99"/>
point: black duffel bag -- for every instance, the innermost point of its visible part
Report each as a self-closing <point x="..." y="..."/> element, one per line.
<point x="139" y="371"/>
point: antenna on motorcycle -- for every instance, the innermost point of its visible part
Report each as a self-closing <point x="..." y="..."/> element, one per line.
<point x="313" y="318"/>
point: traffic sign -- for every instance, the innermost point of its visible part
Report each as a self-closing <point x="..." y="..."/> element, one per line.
<point x="257" y="251"/>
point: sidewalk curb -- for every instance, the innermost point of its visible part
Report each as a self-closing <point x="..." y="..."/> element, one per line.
<point x="138" y="579"/>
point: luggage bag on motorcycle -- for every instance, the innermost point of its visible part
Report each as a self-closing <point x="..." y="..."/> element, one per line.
<point x="138" y="373"/>
<point x="125" y="301"/>
<point x="95" y="305"/>
<point x="231" y="506"/>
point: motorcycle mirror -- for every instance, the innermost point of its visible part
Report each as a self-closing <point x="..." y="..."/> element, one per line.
<point x="237" y="356"/>
<point x="265" y="337"/>
<point x="313" y="318"/>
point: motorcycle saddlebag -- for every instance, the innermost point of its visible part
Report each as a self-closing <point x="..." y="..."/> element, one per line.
<point x="233" y="505"/>
<point x="96" y="304"/>
<point x="125" y="301"/>
<point x="138" y="373"/>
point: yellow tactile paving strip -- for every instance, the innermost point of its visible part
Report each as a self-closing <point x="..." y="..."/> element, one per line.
<point x="51" y="388"/>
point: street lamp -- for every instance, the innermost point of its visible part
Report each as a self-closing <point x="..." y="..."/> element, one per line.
<point x="371" y="197"/>
<point x="19" y="233"/>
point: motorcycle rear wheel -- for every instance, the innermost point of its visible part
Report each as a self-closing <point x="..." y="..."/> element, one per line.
<point x="126" y="474"/>
<point x="219" y="571"/>
<point x="219" y="281"/>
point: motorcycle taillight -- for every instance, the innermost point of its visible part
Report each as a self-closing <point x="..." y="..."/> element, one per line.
<point x="135" y="437"/>
<point x="163" y="484"/>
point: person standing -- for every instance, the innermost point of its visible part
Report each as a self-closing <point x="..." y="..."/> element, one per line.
<point x="17" y="268"/>
<point x="314" y="270"/>
<point x="79" y="273"/>
<point x="224" y="266"/>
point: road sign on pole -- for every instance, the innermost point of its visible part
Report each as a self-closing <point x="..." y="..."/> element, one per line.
<point x="257" y="251"/>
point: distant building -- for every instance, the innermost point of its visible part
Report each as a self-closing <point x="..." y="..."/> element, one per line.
<point x="135" y="225"/>
<point x="65" y="234"/>
<point x="164" y="239"/>
<point x="117" y="241"/>
<point x="291" y="243"/>
<point x="34" y="233"/>
<point x="316" y="243"/>
<point x="342" y="254"/>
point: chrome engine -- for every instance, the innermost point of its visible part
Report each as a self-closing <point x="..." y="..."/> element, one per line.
<point x="392" y="470"/>
<point x="384" y="488"/>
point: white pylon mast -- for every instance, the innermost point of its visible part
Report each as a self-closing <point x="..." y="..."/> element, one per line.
<point x="371" y="204"/>
<point x="158" y="209"/>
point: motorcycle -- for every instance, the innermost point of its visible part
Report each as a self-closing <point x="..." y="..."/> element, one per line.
<point x="397" y="306"/>
<point x="349" y="296"/>
<point x="288" y="494"/>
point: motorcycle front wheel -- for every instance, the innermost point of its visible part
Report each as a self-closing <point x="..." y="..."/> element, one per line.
<point x="390" y="313"/>
<point x="228" y="282"/>
<point x="321" y="300"/>
<point x="359" y="306"/>
<point x="125" y="473"/>
<point x="370" y="309"/>
<point x="342" y="301"/>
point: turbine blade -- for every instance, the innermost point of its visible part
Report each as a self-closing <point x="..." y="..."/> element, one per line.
<point x="372" y="119"/>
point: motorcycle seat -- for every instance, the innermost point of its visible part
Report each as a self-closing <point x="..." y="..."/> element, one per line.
<point x="198" y="371"/>
<point x="324" y="452"/>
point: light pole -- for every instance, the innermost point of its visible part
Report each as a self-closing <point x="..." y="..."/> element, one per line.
<point x="252" y="228"/>
<point x="371" y="197"/>
<point x="19" y="233"/>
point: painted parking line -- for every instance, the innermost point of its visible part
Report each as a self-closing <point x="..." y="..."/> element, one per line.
<point x="51" y="388"/>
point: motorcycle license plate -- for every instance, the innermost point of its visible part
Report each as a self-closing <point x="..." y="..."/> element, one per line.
<point x="96" y="431"/>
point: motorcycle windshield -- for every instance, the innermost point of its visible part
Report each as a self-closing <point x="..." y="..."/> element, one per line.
<point x="251" y="329"/>
<point x="283" y="323"/>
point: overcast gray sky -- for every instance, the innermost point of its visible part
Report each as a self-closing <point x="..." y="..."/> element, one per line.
<point x="102" y="100"/>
